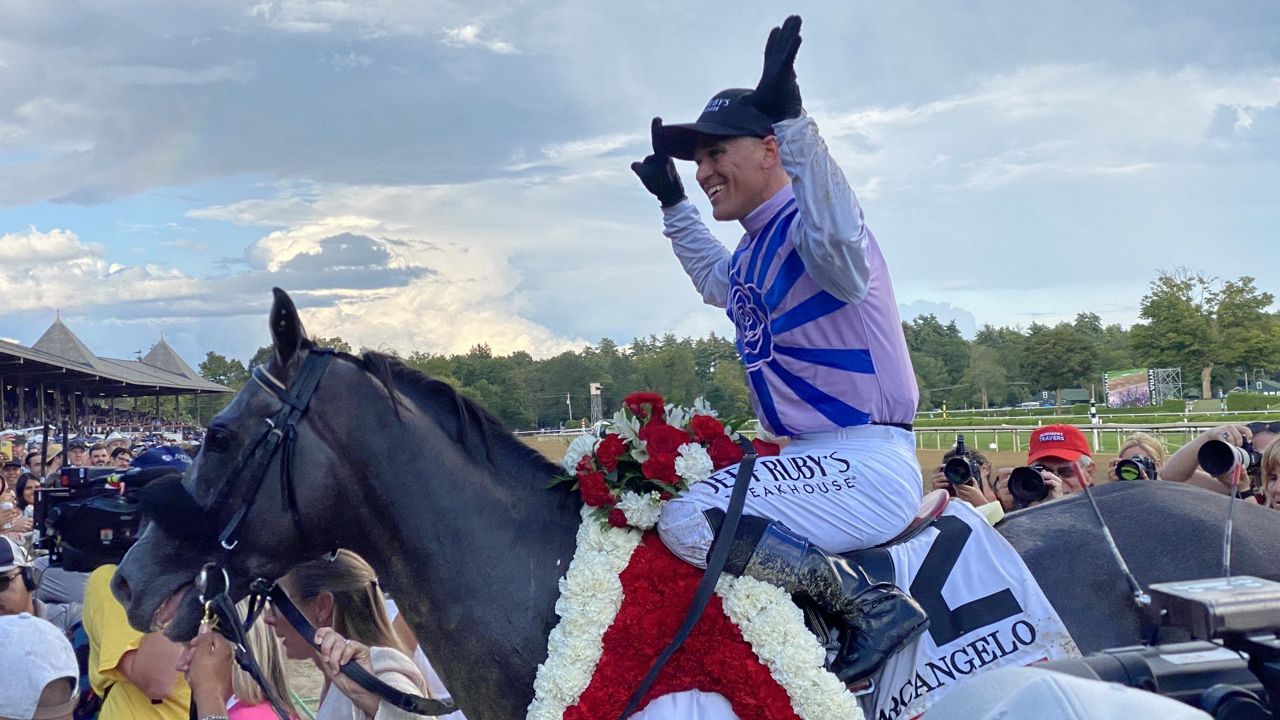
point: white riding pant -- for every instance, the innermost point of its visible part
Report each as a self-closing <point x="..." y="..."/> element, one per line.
<point x="844" y="490"/>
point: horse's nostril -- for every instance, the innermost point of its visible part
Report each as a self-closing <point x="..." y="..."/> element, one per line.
<point x="120" y="587"/>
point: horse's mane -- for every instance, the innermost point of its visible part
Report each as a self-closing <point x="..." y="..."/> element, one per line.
<point x="480" y="434"/>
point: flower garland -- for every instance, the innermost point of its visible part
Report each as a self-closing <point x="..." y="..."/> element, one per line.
<point x="751" y="645"/>
<point x="775" y="627"/>
<point x="649" y="452"/>
<point x="590" y="595"/>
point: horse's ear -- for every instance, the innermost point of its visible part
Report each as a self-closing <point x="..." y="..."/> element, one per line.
<point x="287" y="335"/>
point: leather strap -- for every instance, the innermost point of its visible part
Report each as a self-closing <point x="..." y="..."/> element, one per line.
<point x="407" y="702"/>
<point x="715" y="565"/>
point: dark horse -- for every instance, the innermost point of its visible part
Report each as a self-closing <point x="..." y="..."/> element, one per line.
<point x="455" y="515"/>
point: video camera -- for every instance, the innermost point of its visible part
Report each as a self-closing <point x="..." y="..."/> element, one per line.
<point x="1231" y="670"/>
<point x="89" y="518"/>
<point x="962" y="468"/>
<point x="1136" y="467"/>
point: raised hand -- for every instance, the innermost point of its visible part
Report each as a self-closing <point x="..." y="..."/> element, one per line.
<point x="777" y="95"/>
<point x="658" y="171"/>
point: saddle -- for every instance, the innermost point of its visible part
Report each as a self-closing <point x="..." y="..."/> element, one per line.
<point x="878" y="565"/>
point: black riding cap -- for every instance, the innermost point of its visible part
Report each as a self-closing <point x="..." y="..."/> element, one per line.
<point x="728" y="114"/>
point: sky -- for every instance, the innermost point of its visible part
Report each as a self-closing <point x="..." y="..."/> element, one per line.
<point x="425" y="175"/>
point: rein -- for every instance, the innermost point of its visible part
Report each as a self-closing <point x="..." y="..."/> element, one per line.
<point x="214" y="591"/>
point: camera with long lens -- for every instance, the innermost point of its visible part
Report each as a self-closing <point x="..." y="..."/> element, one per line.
<point x="1219" y="457"/>
<point x="87" y="519"/>
<point x="962" y="468"/>
<point x="1136" y="468"/>
<point x="1027" y="486"/>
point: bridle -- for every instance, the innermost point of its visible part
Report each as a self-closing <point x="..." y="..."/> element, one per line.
<point x="280" y="434"/>
<point x="213" y="582"/>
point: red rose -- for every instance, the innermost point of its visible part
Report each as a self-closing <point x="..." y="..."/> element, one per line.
<point x="586" y="465"/>
<point x="647" y="406"/>
<point x="617" y="518"/>
<point x="663" y="440"/>
<point x="610" y="449"/>
<point x="706" y="428"/>
<point x="661" y="468"/>
<point x="724" y="452"/>
<point x="594" y="490"/>
<point x="765" y="449"/>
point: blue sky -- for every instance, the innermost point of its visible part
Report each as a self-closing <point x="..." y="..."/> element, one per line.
<point x="429" y="175"/>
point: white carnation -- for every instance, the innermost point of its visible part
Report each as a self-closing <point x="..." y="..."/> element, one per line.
<point x="642" y="511"/>
<point x="582" y="446"/>
<point x="694" y="464"/>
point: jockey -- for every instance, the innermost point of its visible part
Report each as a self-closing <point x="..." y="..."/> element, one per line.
<point x="827" y="365"/>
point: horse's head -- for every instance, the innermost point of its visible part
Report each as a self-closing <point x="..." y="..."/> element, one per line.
<point x="262" y="495"/>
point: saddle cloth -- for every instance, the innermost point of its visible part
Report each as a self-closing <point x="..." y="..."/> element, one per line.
<point x="985" y="611"/>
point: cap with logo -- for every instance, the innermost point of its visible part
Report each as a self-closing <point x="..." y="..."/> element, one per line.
<point x="170" y="456"/>
<point x="728" y="114"/>
<point x="12" y="556"/>
<point x="33" y="654"/>
<point x="1060" y="441"/>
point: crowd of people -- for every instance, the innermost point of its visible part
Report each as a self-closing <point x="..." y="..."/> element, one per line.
<point x="1061" y="456"/>
<point x="67" y="645"/>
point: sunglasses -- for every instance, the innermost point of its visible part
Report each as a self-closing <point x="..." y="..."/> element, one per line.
<point x="1257" y="427"/>
<point x="1062" y="471"/>
<point x="5" y="580"/>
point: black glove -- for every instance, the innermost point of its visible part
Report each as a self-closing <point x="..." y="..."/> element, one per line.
<point x="658" y="171"/>
<point x="777" y="95"/>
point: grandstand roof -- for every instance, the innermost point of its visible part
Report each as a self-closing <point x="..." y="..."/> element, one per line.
<point x="59" y="358"/>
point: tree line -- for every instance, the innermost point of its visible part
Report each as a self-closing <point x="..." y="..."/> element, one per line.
<point x="1214" y="330"/>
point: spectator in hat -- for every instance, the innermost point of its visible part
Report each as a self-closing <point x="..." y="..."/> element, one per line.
<point x="40" y="672"/>
<point x="77" y="454"/>
<point x="18" y="589"/>
<point x="1064" y="455"/>
<point x="17" y="579"/>
<point x="116" y="440"/>
<point x="10" y="473"/>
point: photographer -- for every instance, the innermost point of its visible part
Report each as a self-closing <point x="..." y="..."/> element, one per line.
<point x="976" y="488"/>
<point x="1184" y="465"/>
<point x="1059" y="463"/>
<point x="1145" y="458"/>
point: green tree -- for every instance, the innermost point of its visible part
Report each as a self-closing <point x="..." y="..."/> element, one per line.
<point x="1057" y="357"/>
<point x="985" y="377"/>
<point x="222" y="370"/>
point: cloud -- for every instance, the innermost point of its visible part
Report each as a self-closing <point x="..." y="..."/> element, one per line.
<point x="467" y="36"/>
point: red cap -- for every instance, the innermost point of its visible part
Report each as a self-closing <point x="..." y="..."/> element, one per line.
<point x="1059" y="441"/>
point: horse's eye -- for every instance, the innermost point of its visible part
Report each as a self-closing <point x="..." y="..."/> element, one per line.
<point x="217" y="440"/>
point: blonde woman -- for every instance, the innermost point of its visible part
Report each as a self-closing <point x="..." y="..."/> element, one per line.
<point x="1140" y="445"/>
<point x="1271" y="476"/>
<point x="219" y="688"/>
<point x="341" y="597"/>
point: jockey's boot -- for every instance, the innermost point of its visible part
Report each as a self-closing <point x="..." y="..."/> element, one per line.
<point x="879" y="618"/>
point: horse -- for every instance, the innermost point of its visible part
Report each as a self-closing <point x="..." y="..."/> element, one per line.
<point x="456" y="516"/>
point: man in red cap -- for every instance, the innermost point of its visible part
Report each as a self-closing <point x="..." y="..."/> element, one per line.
<point x="1065" y="455"/>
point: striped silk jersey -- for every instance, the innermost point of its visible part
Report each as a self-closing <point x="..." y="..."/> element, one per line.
<point x="809" y="294"/>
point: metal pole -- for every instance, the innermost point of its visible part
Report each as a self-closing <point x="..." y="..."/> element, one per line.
<point x="42" y="415"/>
